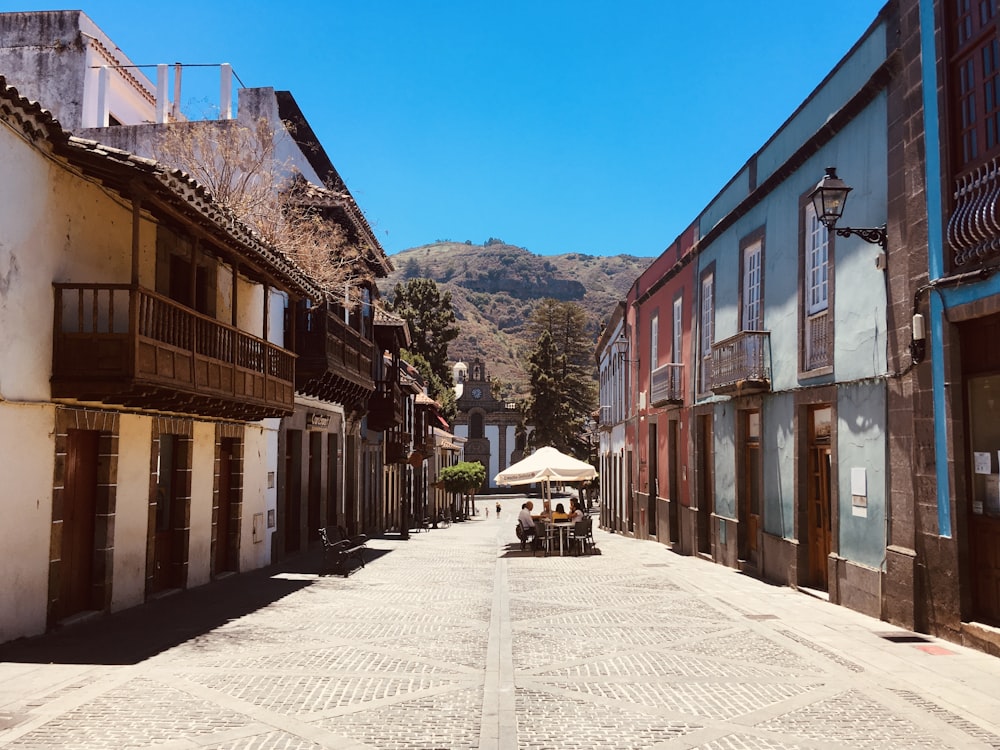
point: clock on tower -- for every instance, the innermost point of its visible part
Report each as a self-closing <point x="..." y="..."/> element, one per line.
<point x="477" y="392"/>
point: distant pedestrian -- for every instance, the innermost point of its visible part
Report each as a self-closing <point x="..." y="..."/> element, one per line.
<point x="487" y="511"/>
<point x="498" y="511"/>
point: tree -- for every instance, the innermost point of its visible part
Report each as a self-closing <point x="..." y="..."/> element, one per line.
<point x="239" y="165"/>
<point x="438" y="390"/>
<point x="430" y="315"/>
<point x="563" y="387"/>
<point x="464" y="478"/>
<point x="412" y="269"/>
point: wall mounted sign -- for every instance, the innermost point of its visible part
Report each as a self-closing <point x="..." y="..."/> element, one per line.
<point x="319" y="421"/>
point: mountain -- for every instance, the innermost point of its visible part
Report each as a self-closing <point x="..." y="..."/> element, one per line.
<point x="495" y="288"/>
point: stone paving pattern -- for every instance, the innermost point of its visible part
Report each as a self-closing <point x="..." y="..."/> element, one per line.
<point x="456" y="640"/>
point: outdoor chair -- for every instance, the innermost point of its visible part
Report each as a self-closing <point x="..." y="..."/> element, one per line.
<point x="543" y="537"/>
<point x="578" y="536"/>
<point x="523" y="534"/>
<point x="583" y="535"/>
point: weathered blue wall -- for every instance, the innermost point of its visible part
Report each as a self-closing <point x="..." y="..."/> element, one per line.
<point x="778" y="418"/>
<point x="861" y="443"/>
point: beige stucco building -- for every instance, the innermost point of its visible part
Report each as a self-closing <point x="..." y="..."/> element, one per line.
<point x="127" y="406"/>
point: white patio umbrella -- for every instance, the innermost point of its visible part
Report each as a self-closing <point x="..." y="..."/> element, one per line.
<point x="546" y="465"/>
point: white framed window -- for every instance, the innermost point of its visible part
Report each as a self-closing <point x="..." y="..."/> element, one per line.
<point x="707" y="327"/>
<point x="654" y="342"/>
<point x="817" y="330"/>
<point x="676" y="338"/>
<point x="817" y="263"/>
<point x="752" y="312"/>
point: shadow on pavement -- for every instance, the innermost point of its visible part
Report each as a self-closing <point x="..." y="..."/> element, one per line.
<point x="136" y="634"/>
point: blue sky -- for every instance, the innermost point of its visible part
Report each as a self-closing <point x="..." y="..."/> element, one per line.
<point x="558" y="126"/>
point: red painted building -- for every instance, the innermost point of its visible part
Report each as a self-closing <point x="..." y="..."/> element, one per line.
<point x="658" y="325"/>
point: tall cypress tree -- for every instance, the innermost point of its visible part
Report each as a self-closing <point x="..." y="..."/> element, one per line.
<point x="561" y="372"/>
<point x="430" y="315"/>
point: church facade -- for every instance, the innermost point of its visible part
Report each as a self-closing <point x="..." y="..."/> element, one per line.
<point x="488" y="424"/>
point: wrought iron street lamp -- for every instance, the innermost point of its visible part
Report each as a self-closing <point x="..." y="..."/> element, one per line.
<point x="621" y="348"/>
<point x="828" y="200"/>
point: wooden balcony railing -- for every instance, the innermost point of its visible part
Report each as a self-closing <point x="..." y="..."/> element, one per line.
<point x="387" y="406"/>
<point x="119" y="344"/>
<point x="740" y="364"/>
<point x="667" y="385"/>
<point x="335" y="360"/>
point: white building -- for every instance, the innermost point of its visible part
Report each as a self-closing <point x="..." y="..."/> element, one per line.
<point x="614" y="414"/>
<point x="325" y="463"/>
<point x="141" y="349"/>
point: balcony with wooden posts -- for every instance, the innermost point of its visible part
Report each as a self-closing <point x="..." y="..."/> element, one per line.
<point x="740" y="364"/>
<point x="667" y="385"/>
<point x="397" y="447"/>
<point x="127" y="345"/>
<point x="387" y="406"/>
<point x="335" y="360"/>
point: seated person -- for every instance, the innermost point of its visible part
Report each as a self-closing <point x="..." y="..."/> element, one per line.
<point x="560" y="514"/>
<point x="526" y="522"/>
<point x="575" y="511"/>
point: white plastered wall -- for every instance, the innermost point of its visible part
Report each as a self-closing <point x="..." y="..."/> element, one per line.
<point x="492" y="433"/>
<point x="202" y="497"/>
<point x="131" y="511"/>
<point x="69" y="229"/>
<point x="26" y="468"/>
<point x="260" y="456"/>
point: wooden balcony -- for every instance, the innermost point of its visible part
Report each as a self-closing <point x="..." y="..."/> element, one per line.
<point x="397" y="447"/>
<point x="740" y="364"/>
<point x="125" y="345"/>
<point x="667" y="385"/>
<point x="335" y="360"/>
<point x="386" y="407"/>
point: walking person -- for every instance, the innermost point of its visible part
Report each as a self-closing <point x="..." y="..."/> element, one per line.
<point x="498" y="510"/>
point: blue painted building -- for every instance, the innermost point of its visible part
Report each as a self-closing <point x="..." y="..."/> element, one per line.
<point x="792" y="345"/>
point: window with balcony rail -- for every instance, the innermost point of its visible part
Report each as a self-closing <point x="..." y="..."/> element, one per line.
<point x="707" y="329"/>
<point x="667" y="385"/>
<point x="740" y="363"/>
<point x="972" y="84"/>
<point x="817" y="329"/>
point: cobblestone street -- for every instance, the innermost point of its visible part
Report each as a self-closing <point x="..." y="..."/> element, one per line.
<point x="456" y="639"/>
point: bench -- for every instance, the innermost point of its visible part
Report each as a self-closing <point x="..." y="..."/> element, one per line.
<point x="339" y="549"/>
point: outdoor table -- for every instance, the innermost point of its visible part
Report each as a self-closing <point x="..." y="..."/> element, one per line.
<point x="561" y="529"/>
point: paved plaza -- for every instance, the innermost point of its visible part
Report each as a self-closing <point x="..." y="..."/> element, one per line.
<point x="456" y="639"/>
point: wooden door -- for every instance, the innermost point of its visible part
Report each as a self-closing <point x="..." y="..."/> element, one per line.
<point x="167" y="489"/>
<point x="332" y="481"/>
<point x="228" y="489"/>
<point x="984" y="541"/>
<point x="629" y="493"/>
<point x="819" y="494"/>
<point x="674" y="452"/>
<point x="315" y="484"/>
<point x="654" y="481"/>
<point x="293" y="490"/>
<point x="351" y="481"/>
<point x="983" y="394"/>
<point x="706" y="483"/>
<point x="818" y="536"/>
<point x="750" y="487"/>
<point x="76" y="571"/>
